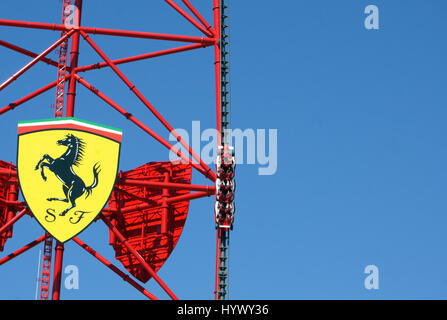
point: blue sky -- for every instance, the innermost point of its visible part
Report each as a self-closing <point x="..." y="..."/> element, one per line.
<point x="360" y="115"/>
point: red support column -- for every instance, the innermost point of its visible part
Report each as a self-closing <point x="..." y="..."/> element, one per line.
<point x="12" y="196"/>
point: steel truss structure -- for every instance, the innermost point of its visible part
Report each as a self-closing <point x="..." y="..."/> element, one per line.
<point x="171" y="191"/>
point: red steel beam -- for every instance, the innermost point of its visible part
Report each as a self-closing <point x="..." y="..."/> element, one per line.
<point x="134" y="252"/>
<point x="109" y="32"/>
<point x="132" y="182"/>
<point x="34" y="61"/>
<point x="8" y="172"/>
<point x="23" y="249"/>
<point x="13" y="220"/>
<point x="217" y="66"/>
<point x="168" y="185"/>
<point x="36" y="93"/>
<point x="199" y="16"/>
<point x="139" y="123"/>
<point x="189" y="18"/>
<point x="209" y="174"/>
<point x="27" y="53"/>
<point x="74" y="55"/>
<point x="57" y="276"/>
<point x="184" y="197"/>
<point x="112" y="267"/>
<point x="143" y="56"/>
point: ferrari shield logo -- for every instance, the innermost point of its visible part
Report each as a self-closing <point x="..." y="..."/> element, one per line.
<point x="67" y="170"/>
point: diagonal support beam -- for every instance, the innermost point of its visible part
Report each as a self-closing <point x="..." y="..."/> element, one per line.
<point x="34" y="61"/>
<point x="115" y="269"/>
<point x="135" y="253"/>
<point x="142" y="57"/>
<point x="209" y="174"/>
<point x="183" y="197"/>
<point x="199" y="16"/>
<point x="108" y="32"/>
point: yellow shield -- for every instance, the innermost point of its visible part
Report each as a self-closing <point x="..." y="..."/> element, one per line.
<point x="67" y="170"/>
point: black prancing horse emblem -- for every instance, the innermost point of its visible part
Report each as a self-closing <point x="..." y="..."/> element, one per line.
<point x="72" y="185"/>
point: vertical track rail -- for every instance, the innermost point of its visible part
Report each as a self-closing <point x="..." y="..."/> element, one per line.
<point x="223" y="232"/>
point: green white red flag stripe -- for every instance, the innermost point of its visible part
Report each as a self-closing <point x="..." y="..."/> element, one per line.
<point x="69" y="124"/>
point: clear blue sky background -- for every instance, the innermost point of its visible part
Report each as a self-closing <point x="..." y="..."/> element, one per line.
<point x="361" y="145"/>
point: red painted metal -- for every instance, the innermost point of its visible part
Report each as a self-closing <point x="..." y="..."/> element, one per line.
<point x="141" y="125"/>
<point x="217" y="69"/>
<point x="140" y="96"/>
<point x="112" y="267"/>
<point x="189" y="18"/>
<point x="74" y="55"/>
<point x="30" y="96"/>
<point x="25" y="248"/>
<point x="145" y="216"/>
<point x="34" y="61"/>
<point x="143" y="56"/>
<point x="149" y="205"/>
<point x="57" y="275"/>
<point x="45" y="277"/>
<point x="9" y="224"/>
<point x="167" y="185"/>
<point x="8" y="202"/>
<point x="62" y="65"/>
<point x="27" y="52"/>
<point x="108" y="32"/>
<point x="132" y="251"/>
<point x="199" y="17"/>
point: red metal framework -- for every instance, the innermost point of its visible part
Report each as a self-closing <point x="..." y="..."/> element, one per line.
<point x="149" y="206"/>
<point x="150" y="217"/>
